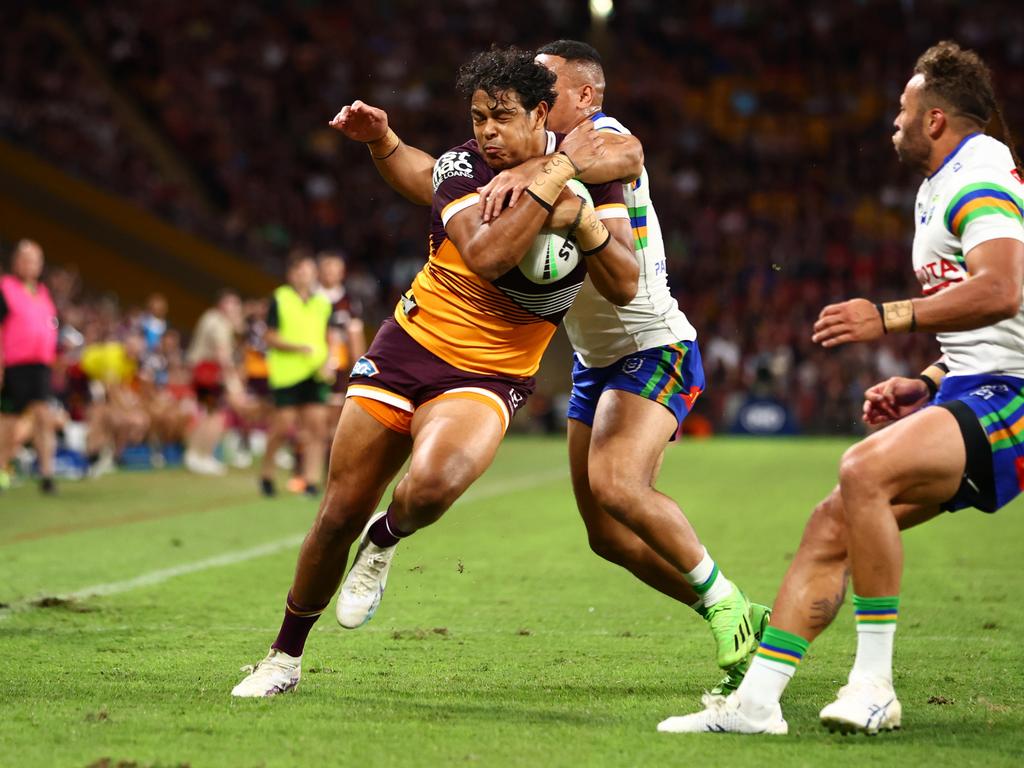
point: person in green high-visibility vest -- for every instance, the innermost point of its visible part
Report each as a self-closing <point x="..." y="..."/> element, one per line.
<point x="298" y="371"/>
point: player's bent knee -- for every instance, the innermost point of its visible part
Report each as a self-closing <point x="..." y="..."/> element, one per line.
<point x="861" y="469"/>
<point x="616" y="494"/>
<point x="429" y="495"/>
<point x="607" y="546"/>
<point x="341" y="517"/>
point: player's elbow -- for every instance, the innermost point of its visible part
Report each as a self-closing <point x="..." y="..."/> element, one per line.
<point x="621" y="292"/>
<point x="623" y="297"/>
<point x="634" y="157"/>
<point x="1011" y="302"/>
<point x="483" y="263"/>
<point x="1005" y="300"/>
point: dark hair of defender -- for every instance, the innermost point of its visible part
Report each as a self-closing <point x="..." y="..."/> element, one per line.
<point x="508" y="69"/>
<point x="572" y="50"/>
<point x="958" y="79"/>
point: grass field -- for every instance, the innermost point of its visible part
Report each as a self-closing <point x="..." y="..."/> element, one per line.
<point x="501" y="641"/>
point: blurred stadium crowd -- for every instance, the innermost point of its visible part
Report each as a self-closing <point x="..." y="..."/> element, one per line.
<point x="765" y="125"/>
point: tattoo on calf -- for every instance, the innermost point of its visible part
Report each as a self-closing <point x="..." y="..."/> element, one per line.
<point x="825" y="610"/>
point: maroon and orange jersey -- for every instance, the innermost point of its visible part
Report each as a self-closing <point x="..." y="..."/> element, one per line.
<point x="487" y="326"/>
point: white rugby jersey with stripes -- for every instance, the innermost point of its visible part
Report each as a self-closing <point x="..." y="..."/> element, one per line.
<point x="602" y="333"/>
<point x="975" y="196"/>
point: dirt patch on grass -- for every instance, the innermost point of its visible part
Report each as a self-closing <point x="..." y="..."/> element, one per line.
<point x="418" y="634"/>
<point x="64" y="603"/>
<point x="109" y="762"/>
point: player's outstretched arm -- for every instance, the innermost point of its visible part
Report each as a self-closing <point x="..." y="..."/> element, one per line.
<point x="991" y="294"/>
<point x="407" y="170"/>
<point x="492" y="249"/>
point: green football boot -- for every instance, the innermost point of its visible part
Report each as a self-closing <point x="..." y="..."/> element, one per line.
<point x="730" y="624"/>
<point x="5" y="480"/>
<point x="759" y="617"/>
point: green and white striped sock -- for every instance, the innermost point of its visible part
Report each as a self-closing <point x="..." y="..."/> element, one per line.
<point x="774" y="665"/>
<point x="708" y="581"/>
<point x="876" y="630"/>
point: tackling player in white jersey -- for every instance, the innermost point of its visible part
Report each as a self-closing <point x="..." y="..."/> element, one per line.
<point x="637" y="373"/>
<point x="966" y="451"/>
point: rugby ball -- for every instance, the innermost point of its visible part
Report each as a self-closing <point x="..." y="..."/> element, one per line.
<point x="551" y="257"/>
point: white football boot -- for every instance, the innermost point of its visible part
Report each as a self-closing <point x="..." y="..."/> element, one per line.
<point x="277" y="673"/>
<point x="863" y="706"/>
<point x="724" y="714"/>
<point x="364" y="586"/>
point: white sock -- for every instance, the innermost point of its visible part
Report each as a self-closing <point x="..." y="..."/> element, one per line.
<point x="709" y="581"/>
<point x="874" y="652"/>
<point x="762" y="686"/>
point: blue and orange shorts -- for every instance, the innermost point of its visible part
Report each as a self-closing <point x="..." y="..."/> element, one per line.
<point x="397" y="375"/>
<point x="671" y="375"/>
<point x="990" y="411"/>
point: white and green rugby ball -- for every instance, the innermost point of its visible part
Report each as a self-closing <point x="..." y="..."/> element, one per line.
<point x="551" y="257"/>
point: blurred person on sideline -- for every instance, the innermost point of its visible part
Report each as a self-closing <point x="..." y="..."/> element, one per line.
<point x="298" y="371"/>
<point x="255" y="414"/>
<point x="28" y="348"/>
<point x="346" y="335"/>
<point x="118" y="416"/>
<point x="212" y="357"/>
<point x="153" y="322"/>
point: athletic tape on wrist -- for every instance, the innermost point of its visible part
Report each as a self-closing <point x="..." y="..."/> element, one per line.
<point x="571" y="234"/>
<point x="601" y="247"/>
<point x="385" y="146"/>
<point x="897" y="316"/>
<point x="592" y="234"/>
<point x="549" y="183"/>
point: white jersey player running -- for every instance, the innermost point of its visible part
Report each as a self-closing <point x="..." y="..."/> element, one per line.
<point x="637" y="373"/>
<point x="964" y="452"/>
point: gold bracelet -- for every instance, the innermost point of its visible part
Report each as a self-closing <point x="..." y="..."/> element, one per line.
<point x="551" y="180"/>
<point x="897" y="316"/>
<point x="385" y="146"/>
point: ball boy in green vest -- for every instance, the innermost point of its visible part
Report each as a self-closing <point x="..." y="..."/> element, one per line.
<point x="297" y="364"/>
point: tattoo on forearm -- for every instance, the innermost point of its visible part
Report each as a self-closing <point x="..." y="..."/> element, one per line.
<point x="824" y="611"/>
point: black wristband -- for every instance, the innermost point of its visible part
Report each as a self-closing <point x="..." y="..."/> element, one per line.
<point x="881" y="314"/>
<point x="540" y="202"/>
<point x="601" y="247"/>
<point x="933" y="388"/>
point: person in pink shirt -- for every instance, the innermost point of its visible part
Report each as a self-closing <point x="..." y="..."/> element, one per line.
<point x="28" y="347"/>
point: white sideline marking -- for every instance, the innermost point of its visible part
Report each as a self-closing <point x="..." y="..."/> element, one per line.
<point x="270" y="548"/>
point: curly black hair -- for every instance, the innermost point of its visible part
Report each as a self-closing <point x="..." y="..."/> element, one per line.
<point x="958" y="79"/>
<point x="508" y="69"/>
